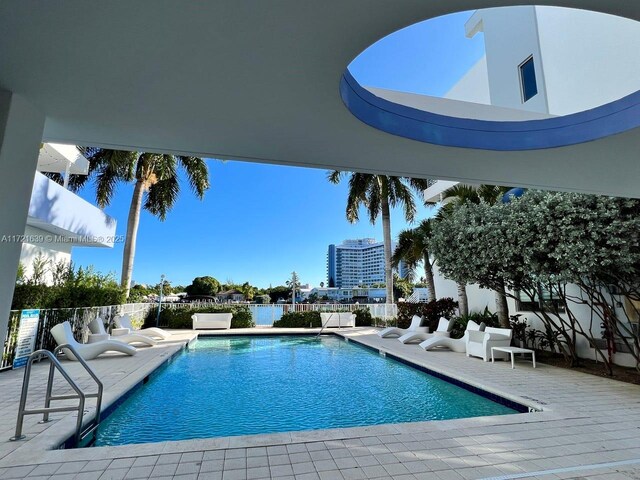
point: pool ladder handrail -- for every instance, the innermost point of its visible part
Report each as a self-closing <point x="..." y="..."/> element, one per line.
<point x="55" y="364"/>
<point x="326" y="323"/>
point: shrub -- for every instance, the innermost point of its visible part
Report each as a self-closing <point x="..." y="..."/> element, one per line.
<point x="298" y="320"/>
<point x="65" y="296"/>
<point x="72" y="288"/>
<point x="430" y="311"/>
<point x="363" y="317"/>
<point x="460" y="323"/>
<point x="180" y="318"/>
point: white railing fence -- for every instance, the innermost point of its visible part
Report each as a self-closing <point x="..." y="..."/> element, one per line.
<point x="266" y="314"/>
<point x="79" y="318"/>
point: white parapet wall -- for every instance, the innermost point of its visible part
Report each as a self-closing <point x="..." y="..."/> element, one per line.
<point x="66" y="217"/>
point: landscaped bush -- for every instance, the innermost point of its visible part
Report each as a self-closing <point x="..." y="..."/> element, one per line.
<point x="430" y="311"/>
<point x="298" y="320"/>
<point x="460" y="323"/>
<point x="44" y="296"/>
<point x="71" y="288"/>
<point x="363" y="317"/>
<point x="180" y="318"/>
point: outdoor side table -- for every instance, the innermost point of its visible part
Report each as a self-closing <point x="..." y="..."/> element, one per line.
<point x="512" y="351"/>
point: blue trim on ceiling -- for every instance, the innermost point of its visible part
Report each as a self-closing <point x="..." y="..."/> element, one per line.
<point x="610" y="119"/>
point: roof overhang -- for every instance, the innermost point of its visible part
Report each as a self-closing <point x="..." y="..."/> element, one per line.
<point x="259" y="81"/>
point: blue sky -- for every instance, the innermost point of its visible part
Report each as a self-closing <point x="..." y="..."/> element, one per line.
<point x="258" y="222"/>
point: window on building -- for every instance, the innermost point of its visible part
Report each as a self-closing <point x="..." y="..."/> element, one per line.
<point x="544" y="300"/>
<point x="528" y="82"/>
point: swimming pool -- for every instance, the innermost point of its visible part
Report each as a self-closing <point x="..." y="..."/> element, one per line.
<point x="223" y="386"/>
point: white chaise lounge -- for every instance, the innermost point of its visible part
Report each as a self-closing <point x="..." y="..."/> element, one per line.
<point x="211" y="320"/>
<point x="62" y="334"/>
<point x="97" y="328"/>
<point x="335" y="319"/>
<point x="454" y="344"/>
<point x="124" y="322"/>
<point x="479" y="343"/>
<point x="398" y="332"/>
<point x="441" y="331"/>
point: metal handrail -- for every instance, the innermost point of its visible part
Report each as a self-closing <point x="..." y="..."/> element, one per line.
<point x="326" y="323"/>
<point x="80" y="395"/>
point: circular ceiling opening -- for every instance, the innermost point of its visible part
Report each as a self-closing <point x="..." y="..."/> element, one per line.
<point x="508" y="78"/>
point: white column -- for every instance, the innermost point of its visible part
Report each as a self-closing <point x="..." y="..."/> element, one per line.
<point x="21" y="127"/>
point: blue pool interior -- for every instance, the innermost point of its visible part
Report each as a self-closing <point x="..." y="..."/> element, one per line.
<point x="241" y="385"/>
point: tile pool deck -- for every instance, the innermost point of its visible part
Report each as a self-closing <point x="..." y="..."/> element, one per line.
<point x="589" y="428"/>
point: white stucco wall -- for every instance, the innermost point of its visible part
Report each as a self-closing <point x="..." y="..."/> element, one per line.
<point x="480" y="298"/>
<point x="510" y="37"/>
<point x="473" y="86"/>
<point x="51" y="252"/>
<point x="589" y="58"/>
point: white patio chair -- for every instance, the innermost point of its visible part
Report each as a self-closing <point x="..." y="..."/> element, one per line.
<point x="458" y="345"/>
<point x="441" y="331"/>
<point x="97" y="328"/>
<point x="62" y="334"/>
<point x="398" y="332"/>
<point x="124" y="322"/>
<point x="479" y="343"/>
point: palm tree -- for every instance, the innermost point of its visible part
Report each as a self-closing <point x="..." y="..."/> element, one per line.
<point x="247" y="290"/>
<point x="491" y="195"/>
<point x="413" y="248"/>
<point x="378" y="193"/>
<point x="156" y="182"/>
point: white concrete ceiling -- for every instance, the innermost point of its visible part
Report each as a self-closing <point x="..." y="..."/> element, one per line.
<point x="258" y="80"/>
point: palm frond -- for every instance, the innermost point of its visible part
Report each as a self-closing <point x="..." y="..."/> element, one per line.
<point x="161" y="196"/>
<point x="197" y="174"/>
<point x="334" y="176"/>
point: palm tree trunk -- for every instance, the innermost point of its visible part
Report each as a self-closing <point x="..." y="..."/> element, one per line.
<point x="428" y="276"/>
<point x="502" y="308"/>
<point x="386" y="234"/>
<point x="463" y="301"/>
<point x="132" y="233"/>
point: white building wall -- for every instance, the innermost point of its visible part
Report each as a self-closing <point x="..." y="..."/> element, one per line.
<point x="589" y="59"/>
<point x="481" y="298"/>
<point x="473" y="86"/>
<point x="50" y="252"/>
<point x="478" y="298"/>
<point x="510" y="37"/>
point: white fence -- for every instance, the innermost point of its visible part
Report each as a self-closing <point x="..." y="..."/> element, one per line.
<point x="79" y="318"/>
<point x="266" y="314"/>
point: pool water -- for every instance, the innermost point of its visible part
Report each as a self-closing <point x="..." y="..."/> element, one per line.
<point x="222" y="386"/>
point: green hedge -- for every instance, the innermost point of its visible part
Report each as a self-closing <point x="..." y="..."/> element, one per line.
<point x="180" y="318"/>
<point x="298" y="320"/>
<point x="65" y="296"/>
<point x="431" y="311"/>
<point x="486" y="317"/>
<point x="306" y="319"/>
<point x="363" y="317"/>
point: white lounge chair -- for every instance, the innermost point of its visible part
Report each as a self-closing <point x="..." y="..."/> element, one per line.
<point x="479" y="343"/>
<point x="398" y="332"/>
<point x="441" y="331"/>
<point x="97" y="328"/>
<point x="62" y="334"/>
<point x="454" y="344"/>
<point x="124" y="322"/>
